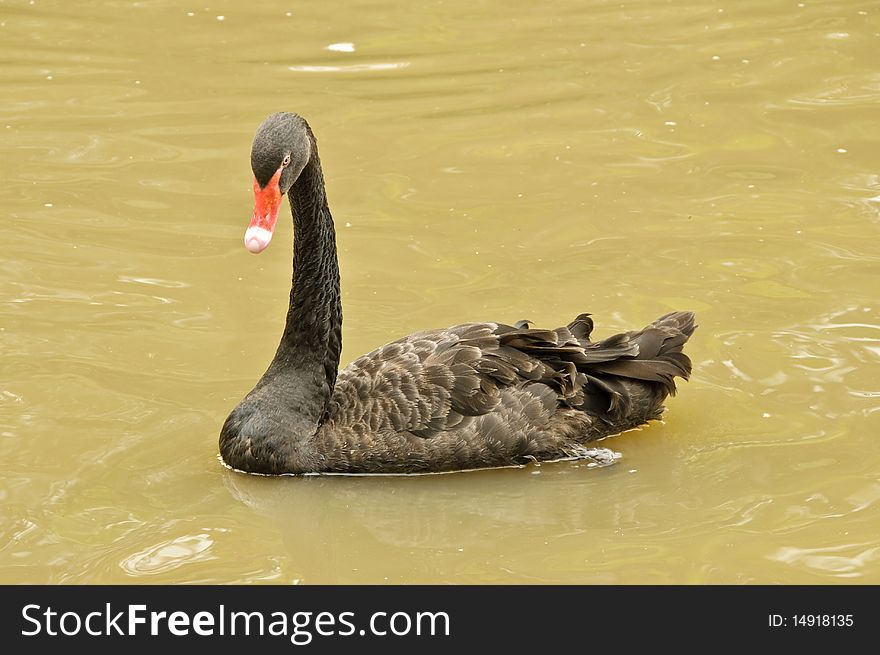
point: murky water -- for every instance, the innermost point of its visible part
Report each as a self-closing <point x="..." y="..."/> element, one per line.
<point x="484" y="162"/>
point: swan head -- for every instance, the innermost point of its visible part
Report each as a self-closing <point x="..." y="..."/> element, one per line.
<point x="281" y="149"/>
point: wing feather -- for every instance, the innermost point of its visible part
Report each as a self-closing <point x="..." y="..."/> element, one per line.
<point x="435" y="381"/>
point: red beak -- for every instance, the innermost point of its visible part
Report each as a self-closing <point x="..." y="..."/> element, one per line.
<point x="267" y="201"/>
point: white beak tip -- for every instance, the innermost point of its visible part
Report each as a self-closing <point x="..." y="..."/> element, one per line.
<point x="257" y="239"/>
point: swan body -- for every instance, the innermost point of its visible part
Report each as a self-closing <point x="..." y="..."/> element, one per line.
<point x="476" y="395"/>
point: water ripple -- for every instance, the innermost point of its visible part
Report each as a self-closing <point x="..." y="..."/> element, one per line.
<point x="169" y="555"/>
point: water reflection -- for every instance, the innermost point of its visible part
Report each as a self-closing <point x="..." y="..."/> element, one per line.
<point x="828" y="561"/>
<point x="331" y="525"/>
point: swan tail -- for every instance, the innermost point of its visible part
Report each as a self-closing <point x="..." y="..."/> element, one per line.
<point x="632" y="372"/>
<point x="622" y="379"/>
<point x="658" y="356"/>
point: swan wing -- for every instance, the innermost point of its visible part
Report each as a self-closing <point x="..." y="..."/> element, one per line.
<point x="434" y="381"/>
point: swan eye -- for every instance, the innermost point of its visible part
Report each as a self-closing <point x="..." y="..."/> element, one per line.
<point x="286" y="161"/>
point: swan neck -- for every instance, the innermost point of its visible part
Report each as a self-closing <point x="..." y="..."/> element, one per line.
<point x="308" y="355"/>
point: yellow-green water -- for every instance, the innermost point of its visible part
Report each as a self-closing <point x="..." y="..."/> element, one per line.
<point x="485" y="161"/>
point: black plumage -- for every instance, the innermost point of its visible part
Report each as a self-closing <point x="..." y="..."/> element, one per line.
<point x="470" y="396"/>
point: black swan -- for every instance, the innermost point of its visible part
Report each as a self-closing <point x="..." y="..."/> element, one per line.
<point x="477" y="395"/>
